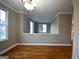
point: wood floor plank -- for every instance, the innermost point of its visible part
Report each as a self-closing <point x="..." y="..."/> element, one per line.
<point x="39" y="52"/>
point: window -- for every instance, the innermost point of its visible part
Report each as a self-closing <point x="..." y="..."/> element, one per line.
<point x="42" y="28"/>
<point x="3" y="25"/>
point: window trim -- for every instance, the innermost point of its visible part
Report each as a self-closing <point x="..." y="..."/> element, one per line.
<point x="7" y="24"/>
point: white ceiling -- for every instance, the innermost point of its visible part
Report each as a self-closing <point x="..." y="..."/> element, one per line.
<point x="45" y="10"/>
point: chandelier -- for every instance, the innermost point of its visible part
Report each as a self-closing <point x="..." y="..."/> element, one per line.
<point x="29" y="4"/>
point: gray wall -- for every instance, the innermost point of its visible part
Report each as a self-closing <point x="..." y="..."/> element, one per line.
<point x="76" y="30"/>
<point x="26" y="24"/>
<point x="48" y="28"/>
<point x="64" y="36"/>
<point x="36" y="27"/>
<point x="12" y="30"/>
<point x="23" y="23"/>
<point x="54" y="26"/>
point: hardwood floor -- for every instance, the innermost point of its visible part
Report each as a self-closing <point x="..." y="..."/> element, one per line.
<point x="39" y="52"/>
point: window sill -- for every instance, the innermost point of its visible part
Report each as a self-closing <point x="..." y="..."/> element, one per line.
<point x="3" y="40"/>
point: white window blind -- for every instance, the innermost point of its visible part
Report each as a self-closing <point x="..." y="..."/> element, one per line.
<point x="3" y="25"/>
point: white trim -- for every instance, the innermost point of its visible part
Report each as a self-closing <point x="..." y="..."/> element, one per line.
<point x="64" y="13"/>
<point x="8" y="6"/>
<point x="11" y="7"/>
<point x="57" y="14"/>
<point x="8" y="49"/>
<point x="44" y="44"/>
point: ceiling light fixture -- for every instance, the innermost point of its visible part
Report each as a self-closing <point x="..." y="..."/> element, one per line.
<point x="29" y="4"/>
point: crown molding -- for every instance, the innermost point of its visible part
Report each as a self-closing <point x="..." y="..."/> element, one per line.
<point x="8" y="5"/>
<point x="64" y="13"/>
<point x="57" y="14"/>
<point x="11" y="7"/>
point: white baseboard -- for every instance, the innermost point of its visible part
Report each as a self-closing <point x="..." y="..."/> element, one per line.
<point x="33" y="44"/>
<point x="8" y="49"/>
<point x="44" y="44"/>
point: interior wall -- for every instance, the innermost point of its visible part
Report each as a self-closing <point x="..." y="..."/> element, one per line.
<point x="48" y="27"/>
<point x="64" y="36"/>
<point x="36" y="27"/>
<point x="12" y="29"/>
<point x="76" y="30"/>
<point x="23" y="23"/>
<point x="26" y="24"/>
<point x="54" y="26"/>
